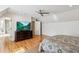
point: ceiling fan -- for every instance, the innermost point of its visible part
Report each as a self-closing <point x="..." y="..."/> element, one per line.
<point x="42" y="12"/>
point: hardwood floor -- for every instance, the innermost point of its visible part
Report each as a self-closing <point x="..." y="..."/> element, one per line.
<point x="27" y="44"/>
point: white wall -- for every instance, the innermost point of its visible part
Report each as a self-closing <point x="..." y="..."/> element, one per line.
<point x="66" y="23"/>
<point x="69" y="15"/>
<point x="59" y="28"/>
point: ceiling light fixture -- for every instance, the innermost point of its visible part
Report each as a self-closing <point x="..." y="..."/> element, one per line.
<point x="55" y="17"/>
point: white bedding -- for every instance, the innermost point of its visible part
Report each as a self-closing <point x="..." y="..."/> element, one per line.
<point x="60" y="43"/>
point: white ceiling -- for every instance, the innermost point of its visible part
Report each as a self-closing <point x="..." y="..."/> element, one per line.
<point x="30" y="9"/>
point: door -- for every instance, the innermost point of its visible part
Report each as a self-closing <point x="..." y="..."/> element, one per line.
<point x="8" y="26"/>
<point x="2" y="27"/>
<point x="37" y="28"/>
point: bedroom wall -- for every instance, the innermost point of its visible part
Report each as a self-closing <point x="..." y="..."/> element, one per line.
<point x="66" y="23"/>
<point x="66" y="28"/>
<point x="71" y="15"/>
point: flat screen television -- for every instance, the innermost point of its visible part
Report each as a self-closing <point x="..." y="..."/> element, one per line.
<point x="23" y="25"/>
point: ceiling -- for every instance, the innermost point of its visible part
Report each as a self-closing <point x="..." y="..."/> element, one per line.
<point x="30" y="9"/>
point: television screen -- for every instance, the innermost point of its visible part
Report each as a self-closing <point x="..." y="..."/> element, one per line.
<point x="23" y="25"/>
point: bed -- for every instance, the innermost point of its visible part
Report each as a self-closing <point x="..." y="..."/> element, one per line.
<point x="60" y="44"/>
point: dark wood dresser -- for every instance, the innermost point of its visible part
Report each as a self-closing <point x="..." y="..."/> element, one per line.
<point x="23" y="35"/>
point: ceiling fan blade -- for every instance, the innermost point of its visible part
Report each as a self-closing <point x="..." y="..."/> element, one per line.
<point x="45" y="12"/>
<point x="42" y="12"/>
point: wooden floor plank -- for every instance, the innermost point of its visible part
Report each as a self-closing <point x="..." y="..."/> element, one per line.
<point x="26" y="44"/>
